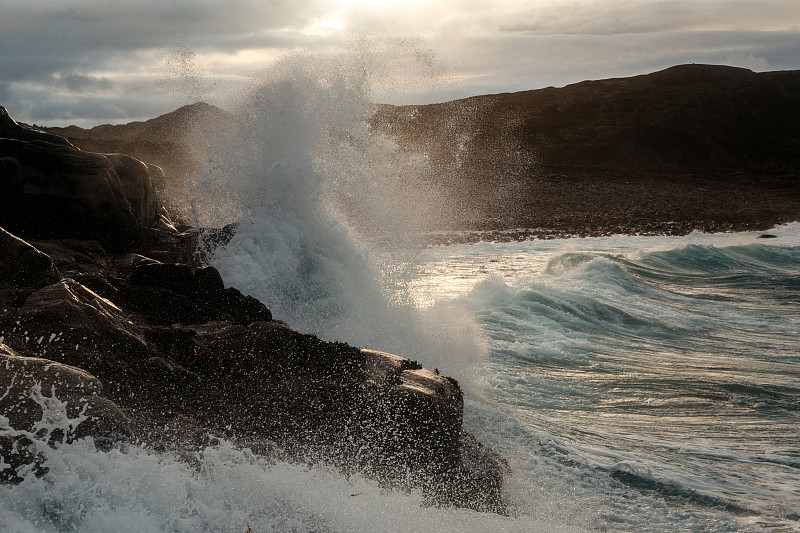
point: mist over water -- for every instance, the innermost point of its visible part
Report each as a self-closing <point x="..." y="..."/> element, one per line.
<point x="330" y="215"/>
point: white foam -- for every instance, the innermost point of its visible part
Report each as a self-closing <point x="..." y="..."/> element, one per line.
<point x="325" y="222"/>
<point x="132" y="488"/>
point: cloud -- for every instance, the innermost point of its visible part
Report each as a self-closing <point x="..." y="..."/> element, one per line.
<point x="82" y="83"/>
<point x="149" y="21"/>
<point x="83" y="48"/>
<point x="650" y="16"/>
<point x="41" y="38"/>
<point x="139" y="58"/>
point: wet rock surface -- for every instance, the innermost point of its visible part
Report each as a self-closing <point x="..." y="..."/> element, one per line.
<point x="118" y="317"/>
<point x="46" y="401"/>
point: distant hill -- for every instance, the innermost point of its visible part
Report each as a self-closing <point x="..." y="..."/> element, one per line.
<point x="692" y="146"/>
<point x="684" y="117"/>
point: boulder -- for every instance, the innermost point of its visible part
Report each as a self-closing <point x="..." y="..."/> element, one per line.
<point x="169" y="293"/>
<point x="176" y="277"/>
<point x="138" y="183"/>
<point x="208" y="280"/>
<point x="50" y="189"/>
<point x="372" y="411"/>
<point x="72" y="324"/>
<point x="405" y="387"/>
<point x="75" y="257"/>
<point x="11" y="129"/>
<point x="82" y="410"/>
<point x="271" y="380"/>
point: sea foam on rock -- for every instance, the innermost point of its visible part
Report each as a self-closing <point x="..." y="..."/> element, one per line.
<point x="44" y="401"/>
<point x="110" y="297"/>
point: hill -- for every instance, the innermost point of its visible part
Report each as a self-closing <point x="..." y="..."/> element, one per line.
<point x="690" y="147"/>
<point x="702" y="146"/>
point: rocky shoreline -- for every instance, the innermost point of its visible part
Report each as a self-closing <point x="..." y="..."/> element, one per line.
<point x="106" y="306"/>
<point x="648" y="229"/>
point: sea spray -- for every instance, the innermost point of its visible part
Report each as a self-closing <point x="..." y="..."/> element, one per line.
<point x="328" y="212"/>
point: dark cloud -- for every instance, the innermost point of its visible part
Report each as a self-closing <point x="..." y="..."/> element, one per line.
<point x="41" y="38"/>
<point x="145" y="22"/>
<point x="82" y="83"/>
<point x="54" y="51"/>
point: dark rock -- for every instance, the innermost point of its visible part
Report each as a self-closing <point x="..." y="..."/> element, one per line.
<point x="137" y="183"/>
<point x="50" y="189"/>
<point x="75" y="257"/>
<point x="230" y="304"/>
<point x="167" y="246"/>
<point x="172" y="293"/>
<point x="766" y="236"/>
<point x="69" y="323"/>
<point x="401" y="388"/>
<point x="177" y="142"/>
<point x="23" y="269"/>
<point x="208" y="280"/>
<point x="175" y="277"/>
<point x="18" y="452"/>
<point x="209" y="239"/>
<point x="476" y="480"/>
<point x="29" y="384"/>
<point x="22" y="265"/>
<point x="79" y="192"/>
<point x="122" y="264"/>
<point x="163" y="307"/>
<point x="11" y="129"/>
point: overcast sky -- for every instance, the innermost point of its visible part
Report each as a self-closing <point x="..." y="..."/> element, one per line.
<point x="97" y="61"/>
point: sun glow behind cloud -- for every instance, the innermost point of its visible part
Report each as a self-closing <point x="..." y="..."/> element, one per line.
<point x="141" y="57"/>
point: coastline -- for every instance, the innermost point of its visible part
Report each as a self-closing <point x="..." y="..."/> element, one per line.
<point x="654" y="229"/>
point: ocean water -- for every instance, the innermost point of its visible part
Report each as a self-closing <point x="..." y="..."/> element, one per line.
<point x="654" y="381"/>
<point x="632" y="383"/>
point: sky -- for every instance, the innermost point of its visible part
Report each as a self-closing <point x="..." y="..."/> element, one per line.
<point x="89" y="62"/>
